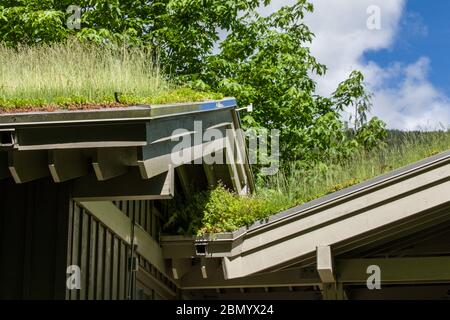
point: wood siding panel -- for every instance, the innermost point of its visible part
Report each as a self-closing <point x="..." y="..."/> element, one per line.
<point x="33" y="239"/>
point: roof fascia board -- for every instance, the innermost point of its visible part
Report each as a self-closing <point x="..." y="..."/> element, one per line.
<point x="133" y="113"/>
<point x="194" y="279"/>
<point x="329" y="228"/>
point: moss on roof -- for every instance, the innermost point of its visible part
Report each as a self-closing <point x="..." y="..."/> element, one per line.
<point x="177" y="95"/>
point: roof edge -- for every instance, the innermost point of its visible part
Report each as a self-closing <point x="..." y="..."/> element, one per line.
<point x="316" y="204"/>
<point x="132" y="113"/>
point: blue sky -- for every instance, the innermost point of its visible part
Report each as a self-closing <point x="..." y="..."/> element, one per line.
<point x="424" y="31"/>
<point x="405" y="61"/>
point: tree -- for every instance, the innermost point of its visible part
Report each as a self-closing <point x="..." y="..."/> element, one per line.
<point x="266" y="61"/>
<point x="351" y="93"/>
<point x="184" y="30"/>
<point x="263" y="60"/>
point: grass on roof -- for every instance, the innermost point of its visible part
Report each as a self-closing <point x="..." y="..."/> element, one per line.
<point x="74" y="74"/>
<point x="219" y="210"/>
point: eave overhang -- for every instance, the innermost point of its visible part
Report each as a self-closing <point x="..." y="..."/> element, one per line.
<point x="397" y="204"/>
<point x="118" y="153"/>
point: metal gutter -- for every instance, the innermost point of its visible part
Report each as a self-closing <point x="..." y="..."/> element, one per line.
<point x="133" y="113"/>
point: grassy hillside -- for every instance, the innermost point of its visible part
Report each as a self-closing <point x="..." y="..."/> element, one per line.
<point x="72" y="74"/>
<point x="219" y="210"/>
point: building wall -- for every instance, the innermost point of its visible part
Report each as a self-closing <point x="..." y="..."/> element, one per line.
<point x="42" y="232"/>
<point x="100" y="255"/>
<point x="33" y="239"/>
<point x="144" y="214"/>
<point x="103" y="257"/>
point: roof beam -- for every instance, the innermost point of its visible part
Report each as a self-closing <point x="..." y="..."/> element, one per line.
<point x="334" y="291"/>
<point x="234" y="175"/>
<point x="26" y="166"/>
<point x="238" y="148"/>
<point x="150" y="128"/>
<point x="210" y="175"/>
<point x="286" y="278"/>
<point x="243" y="153"/>
<point x="203" y="268"/>
<point x="265" y="295"/>
<point x="400" y="292"/>
<point x="325" y="264"/>
<point x="180" y="267"/>
<point x="7" y="137"/>
<point x="242" y="178"/>
<point x="395" y="270"/>
<point x="154" y="159"/>
<point x="183" y="175"/>
<point x="109" y="163"/>
<point x="183" y="141"/>
<point x="129" y="186"/>
<point x="383" y="237"/>
<point x="68" y="164"/>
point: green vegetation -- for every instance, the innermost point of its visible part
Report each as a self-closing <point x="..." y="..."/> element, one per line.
<point x="73" y="74"/>
<point x="219" y="210"/>
<point x="264" y="60"/>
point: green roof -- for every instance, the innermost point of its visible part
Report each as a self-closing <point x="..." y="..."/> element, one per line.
<point x="219" y="210"/>
<point x="76" y="76"/>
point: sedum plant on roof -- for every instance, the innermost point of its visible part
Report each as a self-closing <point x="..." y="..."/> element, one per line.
<point x="74" y="74"/>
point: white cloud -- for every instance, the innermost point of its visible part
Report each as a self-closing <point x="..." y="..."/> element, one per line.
<point x="414" y="103"/>
<point x="403" y="95"/>
<point x="342" y="36"/>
